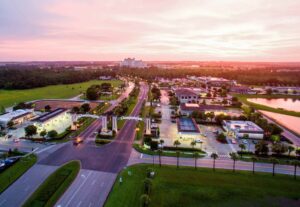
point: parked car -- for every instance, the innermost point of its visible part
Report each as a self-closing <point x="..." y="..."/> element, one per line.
<point x="16" y="140"/>
<point x="10" y="161"/>
<point x="245" y="141"/>
<point x="233" y="141"/>
<point x="198" y="141"/>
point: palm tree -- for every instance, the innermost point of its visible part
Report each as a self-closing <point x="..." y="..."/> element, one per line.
<point x="274" y="162"/>
<point x="161" y="142"/>
<point x="177" y="143"/>
<point x="290" y="149"/>
<point x="177" y="154"/>
<point x="214" y="156"/>
<point x="145" y="200"/>
<point x="196" y="156"/>
<point x="243" y="147"/>
<point x="147" y="185"/>
<point x="193" y="144"/>
<point x="234" y="157"/>
<point x="296" y="163"/>
<point x="254" y="159"/>
<point x="159" y="156"/>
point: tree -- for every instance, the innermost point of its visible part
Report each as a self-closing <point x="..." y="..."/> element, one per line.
<point x="10" y="124"/>
<point x="254" y="159"/>
<point x="234" y="157"/>
<point x="242" y="147"/>
<point x="279" y="148"/>
<point x="47" y="108"/>
<point x="193" y="144"/>
<point x="290" y="149"/>
<point x="176" y="143"/>
<point x="75" y="109"/>
<point x="52" y="134"/>
<point x="159" y="156"/>
<point x="269" y="91"/>
<point x="2" y="109"/>
<point x="196" y="156"/>
<point x="85" y="108"/>
<point x="92" y="93"/>
<point x="30" y="130"/>
<point x="261" y="147"/>
<point x="147" y="185"/>
<point x="214" y="156"/>
<point x="177" y="155"/>
<point x="296" y="163"/>
<point x="145" y="200"/>
<point x="221" y="137"/>
<point x="274" y="162"/>
<point x="161" y="141"/>
<point x="43" y="133"/>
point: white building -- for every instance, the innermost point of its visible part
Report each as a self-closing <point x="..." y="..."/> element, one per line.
<point x="57" y="120"/>
<point x="17" y="117"/>
<point x="132" y="63"/>
<point x="241" y="129"/>
<point x="186" y="95"/>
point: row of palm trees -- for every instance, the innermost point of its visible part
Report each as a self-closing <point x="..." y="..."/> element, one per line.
<point x="234" y="156"/>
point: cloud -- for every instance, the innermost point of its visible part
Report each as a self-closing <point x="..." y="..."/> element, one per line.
<point x="153" y="30"/>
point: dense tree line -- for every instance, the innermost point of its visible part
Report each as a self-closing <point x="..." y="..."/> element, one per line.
<point x="20" y="78"/>
<point x="253" y="76"/>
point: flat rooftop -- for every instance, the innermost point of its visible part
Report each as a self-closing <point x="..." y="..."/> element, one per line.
<point x="14" y="115"/>
<point x="187" y="125"/>
<point x="242" y="126"/>
<point x="50" y="115"/>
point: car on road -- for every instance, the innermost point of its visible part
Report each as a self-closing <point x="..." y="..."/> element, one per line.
<point x="245" y="141"/>
<point x="77" y="141"/>
<point x="16" y="140"/>
<point x="233" y="141"/>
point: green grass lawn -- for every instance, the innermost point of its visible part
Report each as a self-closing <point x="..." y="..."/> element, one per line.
<point x="193" y="188"/>
<point x="243" y="99"/>
<point x="10" y="175"/>
<point x="10" y="97"/>
<point x="54" y="186"/>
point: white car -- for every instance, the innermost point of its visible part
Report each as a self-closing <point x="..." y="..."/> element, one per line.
<point x="198" y="141"/>
<point x="233" y="141"/>
<point x="16" y="140"/>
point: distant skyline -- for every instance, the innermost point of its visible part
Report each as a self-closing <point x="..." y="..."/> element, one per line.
<point x="168" y="30"/>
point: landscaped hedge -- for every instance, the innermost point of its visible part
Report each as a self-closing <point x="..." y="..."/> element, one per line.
<point x="185" y="149"/>
<point x="102" y="141"/>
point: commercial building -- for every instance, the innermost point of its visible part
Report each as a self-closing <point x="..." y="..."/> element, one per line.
<point x="57" y="120"/>
<point x="132" y="63"/>
<point x="186" y="95"/>
<point x="215" y="82"/>
<point x="242" y="90"/>
<point x="243" y="129"/>
<point x="17" y="117"/>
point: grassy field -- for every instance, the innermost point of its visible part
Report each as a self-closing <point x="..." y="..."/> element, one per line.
<point x="243" y="99"/>
<point x="10" y="97"/>
<point x="202" y="187"/>
<point x="11" y="174"/>
<point x="54" y="186"/>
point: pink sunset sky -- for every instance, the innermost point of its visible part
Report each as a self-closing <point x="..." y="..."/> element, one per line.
<point x="241" y="30"/>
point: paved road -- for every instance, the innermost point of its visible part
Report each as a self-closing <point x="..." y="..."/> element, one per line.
<point x="222" y="163"/>
<point x="89" y="189"/>
<point x="20" y="190"/>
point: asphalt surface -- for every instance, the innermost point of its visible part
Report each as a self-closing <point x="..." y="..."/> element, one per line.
<point x="21" y="190"/>
<point x="110" y="158"/>
<point x="221" y="163"/>
<point x="91" y="188"/>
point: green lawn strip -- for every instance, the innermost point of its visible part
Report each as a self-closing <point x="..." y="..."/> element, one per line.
<point x="203" y="187"/>
<point x="243" y="98"/>
<point x="166" y="153"/>
<point x="54" y="186"/>
<point x="10" y="97"/>
<point x="132" y="104"/>
<point x="11" y="174"/>
<point x="282" y="161"/>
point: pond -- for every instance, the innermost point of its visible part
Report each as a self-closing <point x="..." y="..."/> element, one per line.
<point x="283" y="103"/>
